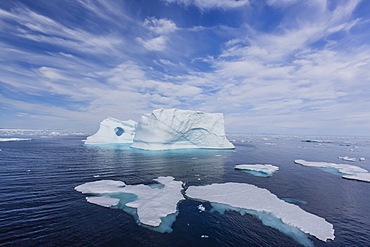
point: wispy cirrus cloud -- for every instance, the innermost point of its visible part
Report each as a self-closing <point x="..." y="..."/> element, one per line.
<point x="299" y="73"/>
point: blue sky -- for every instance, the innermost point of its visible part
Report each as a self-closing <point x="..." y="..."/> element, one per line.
<point x="273" y="66"/>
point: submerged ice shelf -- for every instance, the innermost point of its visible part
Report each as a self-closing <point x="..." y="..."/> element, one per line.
<point x="348" y="171"/>
<point x="152" y="203"/>
<point x="258" y="169"/>
<point x="247" y="196"/>
<point x="156" y="205"/>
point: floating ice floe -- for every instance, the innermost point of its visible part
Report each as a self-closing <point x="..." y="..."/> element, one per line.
<point x="201" y="208"/>
<point x="105" y="201"/>
<point x="348" y="171"/>
<point x="165" y="129"/>
<point x="112" y="130"/>
<point x="14" y="139"/>
<point x="247" y="198"/>
<point x="362" y="159"/>
<point x="258" y="169"/>
<point x="153" y="204"/>
<point x="346" y="158"/>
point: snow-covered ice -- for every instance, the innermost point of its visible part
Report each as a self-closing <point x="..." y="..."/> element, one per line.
<point x="112" y="130"/>
<point x="201" y="208"/>
<point x="348" y="171"/>
<point x="246" y="196"/>
<point x="165" y="129"/>
<point x="152" y="203"/>
<point x="104" y="201"/>
<point x="14" y="139"/>
<point x="258" y="169"/>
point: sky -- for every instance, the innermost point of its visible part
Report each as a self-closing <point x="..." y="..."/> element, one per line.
<point x="299" y="67"/>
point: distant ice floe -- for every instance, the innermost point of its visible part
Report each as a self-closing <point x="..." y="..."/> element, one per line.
<point x="14" y="139"/>
<point x="317" y="141"/>
<point x="349" y="171"/>
<point x="31" y="132"/>
<point x="346" y="158"/>
<point x="153" y="204"/>
<point x="247" y="198"/>
<point x="258" y="169"/>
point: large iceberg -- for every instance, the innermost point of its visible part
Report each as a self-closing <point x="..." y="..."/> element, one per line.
<point x="165" y="129"/>
<point x="112" y="130"/>
<point x="236" y="196"/>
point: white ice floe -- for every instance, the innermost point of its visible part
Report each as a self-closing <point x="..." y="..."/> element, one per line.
<point x="153" y="203"/>
<point x="201" y="208"/>
<point x="362" y="159"/>
<point x="104" y="201"/>
<point x="348" y="171"/>
<point x="112" y="130"/>
<point x="14" y="139"/>
<point x="246" y="196"/>
<point x="178" y="129"/>
<point x="101" y="187"/>
<point x="258" y="169"/>
<point x="346" y="158"/>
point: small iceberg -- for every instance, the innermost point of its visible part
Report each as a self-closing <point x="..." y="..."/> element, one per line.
<point x="112" y="130"/>
<point x="348" y="171"/>
<point x="346" y="158"/>
<point x="258" y="169"/>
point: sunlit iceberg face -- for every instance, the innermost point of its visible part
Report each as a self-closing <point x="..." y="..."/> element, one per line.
<point x="178" y="129"/>
<point x="258" y="169"/>
<point x="347" y="171"/>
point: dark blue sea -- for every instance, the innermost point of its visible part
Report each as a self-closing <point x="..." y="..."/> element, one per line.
<point x="39" y="206"/>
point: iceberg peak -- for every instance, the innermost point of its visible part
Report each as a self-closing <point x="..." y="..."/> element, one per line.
<point x="165" y="129"/>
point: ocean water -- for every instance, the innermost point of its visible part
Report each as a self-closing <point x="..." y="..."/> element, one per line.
<point x="39" y="206"/>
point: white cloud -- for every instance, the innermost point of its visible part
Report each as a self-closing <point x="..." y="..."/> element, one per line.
<point x="155" y="44"/>
<point x="160" y="26"/>
<point x="208" y="4"/>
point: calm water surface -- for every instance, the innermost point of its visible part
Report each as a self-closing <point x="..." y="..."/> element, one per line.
<point x="39" y="206"/>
